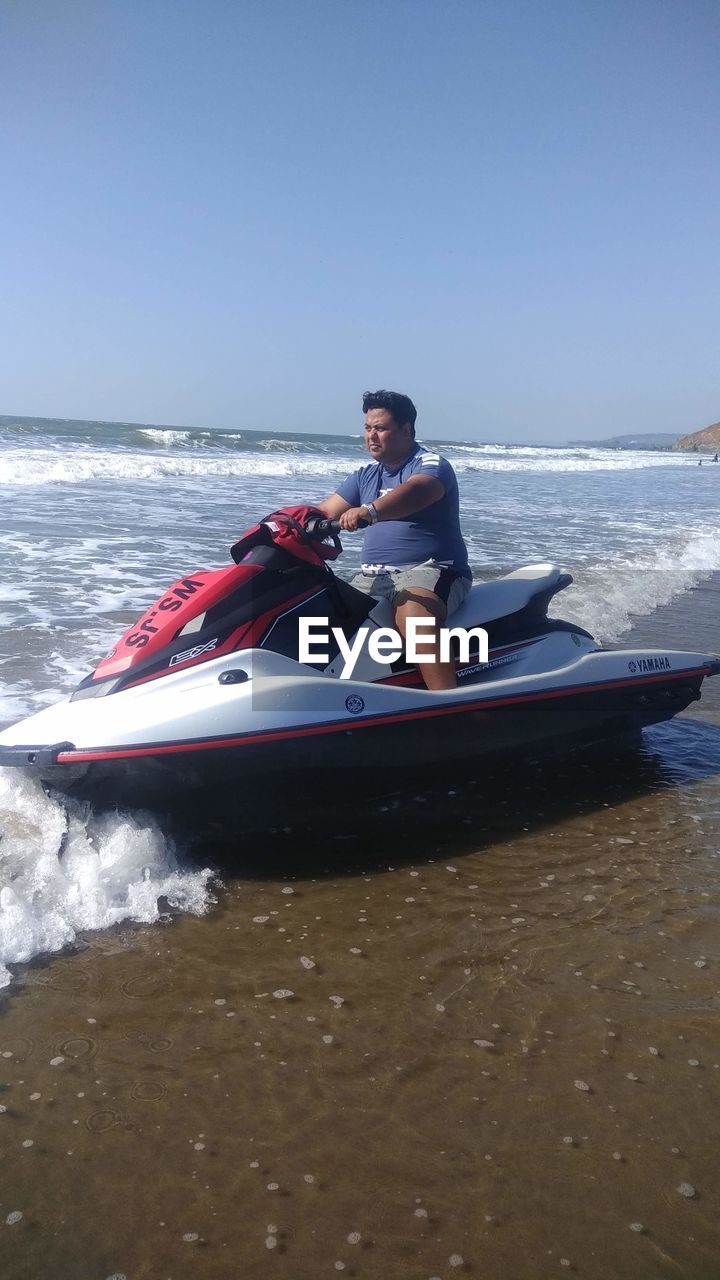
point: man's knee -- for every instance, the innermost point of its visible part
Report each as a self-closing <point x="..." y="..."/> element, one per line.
<point x="417" y="603"/>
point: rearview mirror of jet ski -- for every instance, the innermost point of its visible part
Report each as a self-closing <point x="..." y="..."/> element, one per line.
<point x="207" y="690"/>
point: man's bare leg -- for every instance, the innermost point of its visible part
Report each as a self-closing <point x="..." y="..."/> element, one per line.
<point x="420" y="603"/>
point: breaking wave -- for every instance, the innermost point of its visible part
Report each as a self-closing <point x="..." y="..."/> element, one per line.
<point x="64" y="872"/>
<point x="606" y="598"/>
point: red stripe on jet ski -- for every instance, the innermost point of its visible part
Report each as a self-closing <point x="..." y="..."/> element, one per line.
<point x="334" y="726"/>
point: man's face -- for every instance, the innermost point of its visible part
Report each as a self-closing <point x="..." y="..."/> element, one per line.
<point x="386" y="440"/>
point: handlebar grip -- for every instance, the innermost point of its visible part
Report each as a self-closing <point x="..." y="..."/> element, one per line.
<point x="321" y="528"/>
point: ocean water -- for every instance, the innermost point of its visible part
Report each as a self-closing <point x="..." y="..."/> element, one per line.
<point x="466" y="1028"/>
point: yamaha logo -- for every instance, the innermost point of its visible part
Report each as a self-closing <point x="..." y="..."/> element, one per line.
<point x="354" y="704"/>
<point x="646" y="666"/>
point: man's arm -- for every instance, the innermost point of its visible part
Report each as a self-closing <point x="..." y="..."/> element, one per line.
<point x="334" y="506"/>
<point x="414" y="495"/>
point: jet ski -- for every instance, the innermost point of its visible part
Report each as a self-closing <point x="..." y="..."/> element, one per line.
<point x="206" y="691"/>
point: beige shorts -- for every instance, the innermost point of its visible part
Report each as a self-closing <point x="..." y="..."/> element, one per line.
<point x="448" y="585"/>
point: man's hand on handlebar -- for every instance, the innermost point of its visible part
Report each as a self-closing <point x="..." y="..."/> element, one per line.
<point x="355" y="518"/>
<point x="316" y="528"/>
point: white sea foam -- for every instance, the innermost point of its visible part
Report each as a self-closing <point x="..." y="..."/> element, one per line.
<point x="282" y="446"/>
<point x="547" y="461"/>
<point x="19" y="701"/>
<point x="28" y="468"/>
<point x="66" y="871"/>
<point x="21" y="467"/>
<point x="168" y="436"/>
<point x="605" y="598"/>
<point x="511" y="450"/>
<point x="59" y="672"/>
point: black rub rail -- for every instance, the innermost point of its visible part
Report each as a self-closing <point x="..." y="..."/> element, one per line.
<point x="41" y="756"/>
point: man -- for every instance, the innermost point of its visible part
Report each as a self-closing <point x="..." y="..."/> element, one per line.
<point x="413" y="552"/>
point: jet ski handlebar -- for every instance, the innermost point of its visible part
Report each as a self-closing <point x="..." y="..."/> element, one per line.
<point x="317" y="528"/>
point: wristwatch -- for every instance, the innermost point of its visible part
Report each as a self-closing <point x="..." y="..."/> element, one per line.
<point x="372" y="512"/>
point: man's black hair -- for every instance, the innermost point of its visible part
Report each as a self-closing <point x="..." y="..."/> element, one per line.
<point x="400" y="407"/>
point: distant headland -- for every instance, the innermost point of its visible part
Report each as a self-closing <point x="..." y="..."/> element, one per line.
<point x="640" y="440"/>
<point x="705" y="441"/>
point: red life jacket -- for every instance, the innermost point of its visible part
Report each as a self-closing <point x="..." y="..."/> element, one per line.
<point x="286" y="529"/>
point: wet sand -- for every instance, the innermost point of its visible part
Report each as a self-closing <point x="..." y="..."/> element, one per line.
<point x="472" y="1030"/>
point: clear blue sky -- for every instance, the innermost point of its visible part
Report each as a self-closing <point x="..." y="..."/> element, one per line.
<point x="242" y="213"/>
